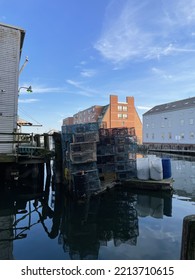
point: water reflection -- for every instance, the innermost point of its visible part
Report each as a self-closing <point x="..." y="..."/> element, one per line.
<point x="81" y="227"/>
<point x="184" y="176"/>
<point x="38" y="210"/>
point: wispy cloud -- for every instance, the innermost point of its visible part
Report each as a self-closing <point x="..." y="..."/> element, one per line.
<point x="161" y="73"/>
<point x="28" y="100"/>
<point x="88" y="73"/>
<point x="145" y="108"/>
<point x="147" y="30"/>
<point x="83" y="90"/>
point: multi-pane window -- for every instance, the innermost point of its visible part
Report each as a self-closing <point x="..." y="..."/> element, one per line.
<point x="122" y="108"/>
<point x="122" y="116"/>
<point x="162" y="136"/>
<point x="182" y="135"/>
<point x="191" y="135"/>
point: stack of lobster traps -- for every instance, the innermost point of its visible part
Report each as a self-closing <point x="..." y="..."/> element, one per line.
<point x="79" y="145"/>
<point x="116" y="153"/>
<point x="93" y="156"/>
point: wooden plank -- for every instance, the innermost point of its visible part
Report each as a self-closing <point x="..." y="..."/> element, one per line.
<point x="165" y="184"/>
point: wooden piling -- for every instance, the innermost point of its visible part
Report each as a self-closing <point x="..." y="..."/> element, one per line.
<point x="58" y="157"/>
<point x="188" y="238"/>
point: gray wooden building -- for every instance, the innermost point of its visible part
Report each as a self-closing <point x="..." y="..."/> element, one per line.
<point x="11" y="42"/>
<point x="170" y="125"/>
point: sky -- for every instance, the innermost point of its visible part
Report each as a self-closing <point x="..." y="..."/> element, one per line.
<point x="82" y="51"/>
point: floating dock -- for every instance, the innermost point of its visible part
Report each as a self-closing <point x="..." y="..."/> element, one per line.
<point x="160" y="185"/>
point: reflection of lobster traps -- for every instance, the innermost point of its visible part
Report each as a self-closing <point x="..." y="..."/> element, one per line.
<point x="86" y="182"/>
<point x="126" y="227"/>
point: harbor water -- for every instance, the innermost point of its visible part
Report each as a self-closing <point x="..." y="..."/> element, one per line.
<point x="122" y="223"/>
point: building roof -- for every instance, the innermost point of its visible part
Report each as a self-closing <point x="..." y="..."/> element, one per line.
<point x="21" y="122"/>
<point x="22" y="31"/>
<point x="172" y="106"/>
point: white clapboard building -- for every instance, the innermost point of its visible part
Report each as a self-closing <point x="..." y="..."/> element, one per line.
<point x="170" y="125"/>
<point x="11" y="42"/>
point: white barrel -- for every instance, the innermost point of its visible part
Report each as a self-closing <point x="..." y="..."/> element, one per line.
<point x="143" y="170"/>
<point x="156" y="168"/>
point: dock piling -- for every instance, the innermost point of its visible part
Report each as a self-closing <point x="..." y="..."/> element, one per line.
<point x="188" y="238"/>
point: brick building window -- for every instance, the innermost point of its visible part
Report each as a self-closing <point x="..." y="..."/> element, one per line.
<point x="125" y="108"/>
<point x="120" y="116"/>
<point x="120" y="108"/>
<point x="124" y="116"/>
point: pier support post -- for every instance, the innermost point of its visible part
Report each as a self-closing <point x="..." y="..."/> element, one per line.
<point x="58" y="157"/>
<point x="188" y="238"/>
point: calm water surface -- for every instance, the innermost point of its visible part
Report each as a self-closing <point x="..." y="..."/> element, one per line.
<point x="120" y="224"/>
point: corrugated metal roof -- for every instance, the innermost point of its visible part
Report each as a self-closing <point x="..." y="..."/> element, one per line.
<point x="172" y="106"/>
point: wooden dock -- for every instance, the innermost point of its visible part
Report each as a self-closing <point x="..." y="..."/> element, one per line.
<point x="154" y="185"/>
<point x="29" y="155"/>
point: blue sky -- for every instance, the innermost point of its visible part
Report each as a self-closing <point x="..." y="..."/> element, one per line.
<point x="81" y="51"/>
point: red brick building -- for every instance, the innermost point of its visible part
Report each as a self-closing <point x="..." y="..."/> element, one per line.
<point x="115" y="114"/>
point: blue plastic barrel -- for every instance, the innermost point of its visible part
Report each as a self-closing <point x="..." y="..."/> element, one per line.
<point x="166" y="163"/>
